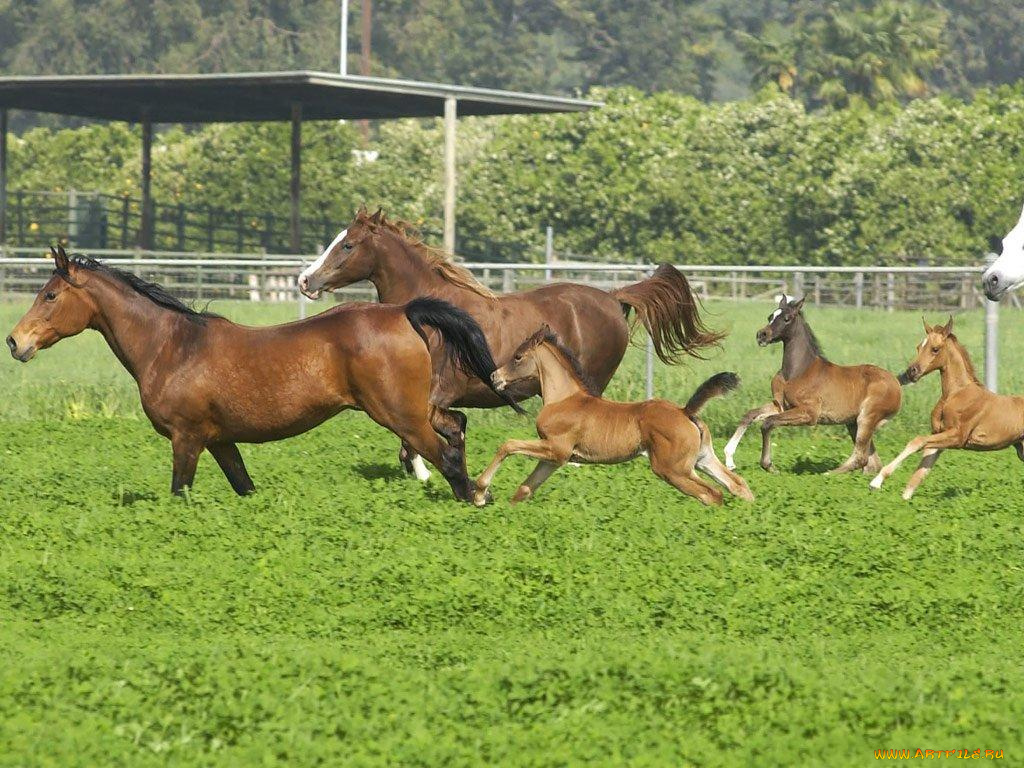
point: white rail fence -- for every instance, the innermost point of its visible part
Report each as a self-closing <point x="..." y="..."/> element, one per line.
<point x="266" y="277"/>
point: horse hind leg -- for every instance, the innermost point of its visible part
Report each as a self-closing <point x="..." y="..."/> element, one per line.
<point x="864" y="455"/>
<point x="185" y="450"/>
<point x="230" y="462"/>
<point x="413" y="463"/>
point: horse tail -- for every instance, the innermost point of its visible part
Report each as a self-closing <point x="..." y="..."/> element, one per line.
<point x="716" y="386"/>
<point x="464" y="340"/>
<point x="670" y="312"/>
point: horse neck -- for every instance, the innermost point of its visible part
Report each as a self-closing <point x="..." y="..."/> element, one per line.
<point x="956" y="373"/>
<point x="135" y="328"/>
<point x="400" y="274"/>
<point x="798" y="350"/>
<point x="557" y="381"/>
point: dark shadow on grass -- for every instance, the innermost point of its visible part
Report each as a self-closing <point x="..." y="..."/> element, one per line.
<point x="127" y="498"/>
<point x="806" y="466"/>
<point x="374" y="470"/>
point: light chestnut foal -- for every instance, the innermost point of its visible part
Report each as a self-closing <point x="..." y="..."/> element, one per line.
<point x="812" y="390"/>
<point x="967" y="415"/>
<point x="575" y="424"/>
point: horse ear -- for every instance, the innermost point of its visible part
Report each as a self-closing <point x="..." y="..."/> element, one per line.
<point x="60" y="258"/>
<point x="948" y="327"/>
<point x="784" y="301"/>
<point x="797" y="305"/>
<point x="361" y="212"/>
<point x="376" y="218"/>
<point x="995" y="244"/>
<point x="927" y="328"/>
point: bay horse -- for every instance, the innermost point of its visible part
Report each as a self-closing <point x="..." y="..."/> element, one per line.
<point x="591" y="322"/>
<point x="967" y="415"/>
<point x="812" y="390"/>
<point x="577" y="424"/>
<point x="206" y="382"/>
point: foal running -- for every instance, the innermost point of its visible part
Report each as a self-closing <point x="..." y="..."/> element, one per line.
<point x="576" y="424"/>
<point x="207" y="383"/>
<point x="967" y="415"/>
<point x="811" y="390"/>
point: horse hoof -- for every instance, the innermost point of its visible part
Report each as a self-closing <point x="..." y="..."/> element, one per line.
<point x="482" y="498"/>
<point x="877" y="482"/>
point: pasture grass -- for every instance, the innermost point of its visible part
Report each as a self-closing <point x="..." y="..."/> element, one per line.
<point x="346" y="614"/>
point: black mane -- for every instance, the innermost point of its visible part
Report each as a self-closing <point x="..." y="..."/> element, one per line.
<point x="546" y="334"/>
<point x="815" y="344"/>
<point x="152" y="291"/>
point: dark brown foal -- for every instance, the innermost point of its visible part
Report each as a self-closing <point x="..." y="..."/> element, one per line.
<point x="811" y="390"/>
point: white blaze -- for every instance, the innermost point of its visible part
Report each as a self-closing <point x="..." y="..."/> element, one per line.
<point x="313" y="268"/>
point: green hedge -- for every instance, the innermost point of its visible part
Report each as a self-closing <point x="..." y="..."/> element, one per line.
<point x="646" y="177"/>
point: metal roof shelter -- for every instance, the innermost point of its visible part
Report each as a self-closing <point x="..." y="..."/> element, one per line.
<point x="261" y="96"/>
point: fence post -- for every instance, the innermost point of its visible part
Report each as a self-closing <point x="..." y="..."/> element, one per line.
<point x="21" y="217"/>
<point x="72" y="217"/>
<point x="302" y="296"/>
<point x="890" y="291"/>
<point x="508" y="283"/>
<point x="181" y="227"/>
<point x="124" y="222"/>
<point x="858" y="290"/>
<point x="798" y="284"/>
<point x="648" y="357"/>
<point x="549" y="252"/>
<point x="991" y="339"/>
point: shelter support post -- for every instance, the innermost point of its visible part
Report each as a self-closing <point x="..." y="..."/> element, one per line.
<point x="450" y="115"/>
<point x="296" y="182"/>
<point x="146" y="220"/>
<point x="3" y="176"/>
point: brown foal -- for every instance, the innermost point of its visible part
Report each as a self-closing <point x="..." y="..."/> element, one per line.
<point x="967" y="415"/>
<point x="811" y="390"/>
<point x="577" y="424"/>
<point x="591" y="322"/>
<point x="206" y="382"/>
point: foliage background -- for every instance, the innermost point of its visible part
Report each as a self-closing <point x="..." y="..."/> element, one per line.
<point x="648" y="177"/>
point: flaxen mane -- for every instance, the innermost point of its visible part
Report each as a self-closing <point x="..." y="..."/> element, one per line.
<point x="437" y="259"/>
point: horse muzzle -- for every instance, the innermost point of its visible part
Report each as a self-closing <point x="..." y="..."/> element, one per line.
<point x="498" y="381"/>
<point x="764" y="337"/>
<point x="21" y="355"/>
<point x="994" y="285"/>
<point x="910" y="376"/>
<point x="309" y="293"/>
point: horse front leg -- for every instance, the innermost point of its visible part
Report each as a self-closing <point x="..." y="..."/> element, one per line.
<point x="751" y="417"/>
<point x="185" y="450"/>
<point x="544" y="450"/>
<point x="950" y="438"/>
<point x="801" y="416"/>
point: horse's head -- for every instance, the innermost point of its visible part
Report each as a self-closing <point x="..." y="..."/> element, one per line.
<point x="348" y="259"/>
<point x="1007" y="271"/>
<point x="931" y="352"/>
<point x="780" y="322"/>
<point x="523" y="365"/>
<point x="61" y="309"/>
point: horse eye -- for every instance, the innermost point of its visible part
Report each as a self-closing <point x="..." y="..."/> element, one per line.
<point x="518" y="358"/>
<point x="347" y="246"/>
<point x="935" y="350"/>
<point x="50" y="296"/>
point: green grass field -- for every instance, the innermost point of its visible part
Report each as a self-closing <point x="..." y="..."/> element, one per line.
<point x="348" y="615"/>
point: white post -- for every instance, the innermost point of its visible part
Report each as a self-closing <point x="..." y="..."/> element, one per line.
<point x="450" y="111"/>
<point x="992" y="340"/>
<point x="343" y="52"/>
<point x="302" y="296"/>
<point x="649" y="375"/>
<point x="549" y="252"/>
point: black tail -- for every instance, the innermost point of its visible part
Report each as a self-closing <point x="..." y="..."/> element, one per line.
<point x="463" y="339"/>
<point x="717" y="385"/>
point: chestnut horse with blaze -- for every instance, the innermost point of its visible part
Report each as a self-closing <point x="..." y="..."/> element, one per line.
<point x="592" y="323"/>
<point x="207" y="383"/>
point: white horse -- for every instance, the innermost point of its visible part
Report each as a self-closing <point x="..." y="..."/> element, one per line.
<point x="1007" y="272"/>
